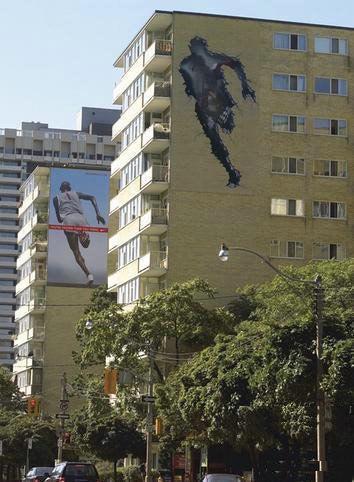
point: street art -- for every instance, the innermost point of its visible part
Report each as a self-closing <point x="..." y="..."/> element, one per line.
<point x="205" y="81"/>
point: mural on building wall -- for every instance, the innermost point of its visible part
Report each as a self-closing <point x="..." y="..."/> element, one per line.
<point x="205" y="81"/>
<point x="78" y="230"/>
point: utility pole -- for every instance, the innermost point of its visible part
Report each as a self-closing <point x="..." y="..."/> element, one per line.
<point x="320" y="399"/>
<point x="149" y="421"/>
<point x="63" y="406"/>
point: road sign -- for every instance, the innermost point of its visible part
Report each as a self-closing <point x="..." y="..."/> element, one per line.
<point x="62" y="415"/>
<point x="147" y="398"/>
<point x="63" y="405"/>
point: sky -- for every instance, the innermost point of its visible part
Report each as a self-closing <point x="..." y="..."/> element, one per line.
<point x="57" y="55"/>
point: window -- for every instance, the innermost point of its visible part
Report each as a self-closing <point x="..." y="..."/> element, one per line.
<point x="4" y="234"/>
<point x="324" y="85"/>
<point x="292" y="83"/>
<point x="134" y="52"/>
<point x="286" y="249"/>
<point x="131" y="171"/>
<point x="289" y="41"/>
<point x="128" y="252"/>
<point x="330" y="127"/>
<point x="288" y="165"/>
<point x="11" y="187"/>
<point x="330" y="168"/>
<point x="331" y="45"/>
<point x="328" y="251"/>
<point x="128" y="292"/>
<point x="134" y="90"/>
<point x="129" y="211"/>
<point x="287" y="207"/>
<point x="11" y="247"/>
<point x="329" y="210"/>
<point x="134" y="129"/>
<point x="288" y="123"/>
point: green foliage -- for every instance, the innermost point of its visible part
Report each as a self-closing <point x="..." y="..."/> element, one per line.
<point x="257" y="386"/>
<point x="10" y="397"/>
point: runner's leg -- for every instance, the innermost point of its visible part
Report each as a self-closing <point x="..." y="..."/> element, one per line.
<point x="73" y="240"/>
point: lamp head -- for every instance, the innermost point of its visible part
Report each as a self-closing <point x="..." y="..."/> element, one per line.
<point x="224" y="252"/>
<point x="89" y="324"/>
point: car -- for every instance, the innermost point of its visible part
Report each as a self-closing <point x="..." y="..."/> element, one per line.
<point x="222" y="478"/>
<point x="37" y="474"/>
<point x="74" y="472"/>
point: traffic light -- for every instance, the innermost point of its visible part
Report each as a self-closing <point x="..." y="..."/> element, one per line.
<point x="110" y="381"/>
<point x="33" y="406"/>
<point x="158" y="426"/>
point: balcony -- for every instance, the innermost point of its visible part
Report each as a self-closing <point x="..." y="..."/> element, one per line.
<point x="39" y="221"/>
<point x="154" y="221"/>
<point x="157" y="57"/>
<point x="113" y="242"/>
<point x="35" y="306"/>
<point x="37" y="193"/>
<point x="157" y="97"/>
<point x="153" y="264"/>
<point x="156" y="138"/>
<point x="154" y="180"/>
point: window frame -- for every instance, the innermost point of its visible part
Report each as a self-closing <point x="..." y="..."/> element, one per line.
<point x="289" y="116"/>
<point x="329" y="210"/>
<point x="330" y="85"/>
<point x="289" y="89"/>
<point x="288" y="173"/>
<point x="279" y="241"/>
<point x="289" y="35"/>
<point x="287" y="208"/>
<point x="330" y="176"/>
<point x="331" y="38"/>
<point x="330" y="127"/>
<point x="329" y="252"/>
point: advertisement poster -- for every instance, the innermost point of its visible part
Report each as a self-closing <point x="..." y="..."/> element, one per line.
<point x="78" y="227"/>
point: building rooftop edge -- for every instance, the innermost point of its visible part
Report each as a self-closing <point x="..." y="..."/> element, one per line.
<point x="256" y="19"/>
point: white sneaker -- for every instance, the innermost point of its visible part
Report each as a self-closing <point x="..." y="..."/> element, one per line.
<point x="90" y="279"/>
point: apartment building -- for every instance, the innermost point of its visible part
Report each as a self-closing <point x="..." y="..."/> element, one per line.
<point x="20" y="151"/>
<point x="54" y="286"/>
<point x="233" y="130"/>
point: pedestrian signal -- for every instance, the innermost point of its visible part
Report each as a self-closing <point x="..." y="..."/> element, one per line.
<point x="158" y="426"/>
<point x="110" y="381"/>
<point x="33" y="406"/>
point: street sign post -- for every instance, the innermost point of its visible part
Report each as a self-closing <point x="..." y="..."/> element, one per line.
<point x="63" y="416"/>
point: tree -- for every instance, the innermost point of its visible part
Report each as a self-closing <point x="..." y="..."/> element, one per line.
<point x="255" y="389"/>
<point x="98" y="429"/>
<point x="173" y="314"/>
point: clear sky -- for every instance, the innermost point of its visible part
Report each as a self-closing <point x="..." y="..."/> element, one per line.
<point x="57" y="55"/>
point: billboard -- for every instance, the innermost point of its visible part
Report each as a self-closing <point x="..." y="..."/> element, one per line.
<point x="78" y="227"/>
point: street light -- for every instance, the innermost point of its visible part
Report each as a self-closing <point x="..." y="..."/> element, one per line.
<point x="317" y="315"/>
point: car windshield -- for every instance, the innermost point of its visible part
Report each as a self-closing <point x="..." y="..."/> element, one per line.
<point x="43" y="470"/>
<point x="80" y="470"/>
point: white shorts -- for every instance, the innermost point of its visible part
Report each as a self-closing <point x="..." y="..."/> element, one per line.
<point x="75" y="219"/>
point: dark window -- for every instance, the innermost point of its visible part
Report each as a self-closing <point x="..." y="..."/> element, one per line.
<point x="292" y="165"/>
<point x="291" y="249"/>
<point x="293" y="82"/>
<point x="334" y="87"/>
<point x="7" y="282"/>
<point x="332" y="251"/>
<point x="334" y="127"/>
<point x="293" y="124"/>
<point x="333" y="210"/>
<point x="37" y="153"/>
<point x="27" y="152"/>
<point x="334" y="168"/>
<point x="18" y="150"/>
<point x="293" y="42"/>
<point x="99" y="157"/>
<point x="292" y="207"/>
<point x="335" y="46"/>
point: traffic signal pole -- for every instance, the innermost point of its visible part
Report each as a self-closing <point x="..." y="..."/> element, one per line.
<point x="63" y="404"/>
<point x="320" y="399"/>
<point x="149" y="422"/>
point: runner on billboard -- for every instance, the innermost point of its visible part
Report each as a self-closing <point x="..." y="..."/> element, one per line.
<point x="69" y="212"/>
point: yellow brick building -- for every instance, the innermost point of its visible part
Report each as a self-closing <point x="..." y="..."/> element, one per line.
<point x="293" y="147"/>
<point x="47" y="311"/>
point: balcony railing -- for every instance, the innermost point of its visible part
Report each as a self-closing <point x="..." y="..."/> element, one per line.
<point x="154" y="174"/>
<point x="157" y="131"/>
<point x="153" y="216"/>
<point x="153" y="260"/>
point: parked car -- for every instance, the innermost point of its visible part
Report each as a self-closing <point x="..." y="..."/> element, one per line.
<point x="222" y="478"/>
<point x="37" y="474"/>
<point x="74" y="472"/>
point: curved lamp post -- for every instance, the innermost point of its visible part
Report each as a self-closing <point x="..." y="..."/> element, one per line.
<point x="317" y="315"/>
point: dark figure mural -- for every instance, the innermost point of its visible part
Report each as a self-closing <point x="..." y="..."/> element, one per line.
<point x="204" y="80"/>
